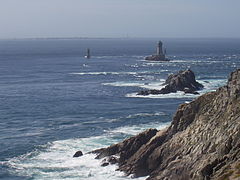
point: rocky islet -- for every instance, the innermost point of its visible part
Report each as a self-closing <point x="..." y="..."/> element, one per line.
<point x="182" y="81"/>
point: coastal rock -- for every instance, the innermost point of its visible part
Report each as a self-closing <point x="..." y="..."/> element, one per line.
<point x="156" y="58"/>
<point x="182" y="81"/>
<point x="104" y="164"/>
<point x="109" y="160"/>
<point x="129" y="146"/>
<point x="202" y="142"/>
<point x="112" y="160"/>
<point x="189" y="91"/>
<point x="78" y="154"/>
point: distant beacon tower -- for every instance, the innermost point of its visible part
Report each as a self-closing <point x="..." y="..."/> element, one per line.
<point x="88" y="56"/>
<point x="159" y="48"/>
<point x="160" y="56"/>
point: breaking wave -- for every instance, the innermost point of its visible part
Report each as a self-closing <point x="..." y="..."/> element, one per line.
<point x="153" y="85"/>
<point x="104" y="73"/>
<point x="209" y="85"/>
<point x="54" y="160"/>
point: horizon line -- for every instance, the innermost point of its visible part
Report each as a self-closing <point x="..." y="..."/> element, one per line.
<point x="69" y="38"/>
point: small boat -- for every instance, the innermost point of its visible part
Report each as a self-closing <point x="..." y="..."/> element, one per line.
<point x="88" y="56"/>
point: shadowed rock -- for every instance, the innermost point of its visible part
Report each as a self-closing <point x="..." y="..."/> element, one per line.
<point x="78" y="154"/>
<point x="182" y="81"/>
<point x="104" y="164"/>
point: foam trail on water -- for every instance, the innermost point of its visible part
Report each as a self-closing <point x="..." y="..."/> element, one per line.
<point x="117" y="73"/>
<point x="153" y="85"/>
<point x="55" y="161"/>
<point x="212" y="84"/>
<point x="178" y="94"/>
<point x="104" y="73"/>
<point x="136" y="129"/>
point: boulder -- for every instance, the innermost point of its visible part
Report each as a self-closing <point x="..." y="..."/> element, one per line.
<point x="182" y="81"/>
<point x="104" y="164"/>
<point x="189" y="91"/>
<point x="112" y="160"/>
<point x="109" y="160"/>
<point x="78" y="154"/>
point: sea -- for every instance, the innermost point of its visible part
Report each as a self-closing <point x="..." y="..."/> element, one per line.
<point x="54" y="102"/>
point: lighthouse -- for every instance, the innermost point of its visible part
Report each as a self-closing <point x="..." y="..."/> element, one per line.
<point x="88" y="56"/>
<point x="159" y="48"/>
<point x="160" y="56"/>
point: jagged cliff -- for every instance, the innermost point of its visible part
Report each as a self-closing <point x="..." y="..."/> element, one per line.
<point x="202" y="142"/>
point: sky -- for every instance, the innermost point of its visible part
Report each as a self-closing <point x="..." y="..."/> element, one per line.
<point x="119" y="18"/>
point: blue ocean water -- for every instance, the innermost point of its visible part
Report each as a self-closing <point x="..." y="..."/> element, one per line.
<point x="54" y="102"/>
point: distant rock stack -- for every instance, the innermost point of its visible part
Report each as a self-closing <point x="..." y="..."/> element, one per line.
<point x="182" y="81"/>
<point x="160" y="56"/>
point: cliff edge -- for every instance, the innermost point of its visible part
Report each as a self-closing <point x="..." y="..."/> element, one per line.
<point x="202" y="142"/>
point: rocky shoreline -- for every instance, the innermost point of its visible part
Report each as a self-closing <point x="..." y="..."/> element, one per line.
<point x="202" y="142"/>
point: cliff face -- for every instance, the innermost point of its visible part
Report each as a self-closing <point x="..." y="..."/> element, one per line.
<point x="203" y="141"/>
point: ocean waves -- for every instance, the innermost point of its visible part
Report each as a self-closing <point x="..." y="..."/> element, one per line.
<point x="119" y="73"/>
<point x="209" y="85"/>
<point x="104" y="73"/>
<point x="176" y="95"/>
<point x="54" y="160"/>
<point x="152" y="85"/>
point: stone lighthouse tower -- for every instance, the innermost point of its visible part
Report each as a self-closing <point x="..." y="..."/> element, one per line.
<point x="160" y="56"/>
<point x="159" y="48"/>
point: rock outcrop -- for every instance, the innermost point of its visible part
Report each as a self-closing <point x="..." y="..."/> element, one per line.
<point x="156" y="58"/>
<point x="202" y="142"/>
<point x="182" y="81"/>
<point x="78" y="154"/>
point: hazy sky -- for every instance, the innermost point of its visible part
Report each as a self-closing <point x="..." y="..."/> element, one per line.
<point x="119" y="18"/>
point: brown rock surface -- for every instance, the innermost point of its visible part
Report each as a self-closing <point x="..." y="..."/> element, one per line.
<point x="202" y="142"/>
<point x="182" y="81"/>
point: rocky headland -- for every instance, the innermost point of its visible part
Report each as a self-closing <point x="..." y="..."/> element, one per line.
<point x="182" y="81"/>
<point x="202" y="142"/>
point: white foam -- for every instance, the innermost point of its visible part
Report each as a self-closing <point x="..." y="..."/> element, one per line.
<point x="178" y="94"/>
<point x="152" y="85"/>
<point x="212" y="84"/>
<point x="133" y="130"/>
<point x="104" y="73"/>
<point x="56" y="161"/>
<point x="145" y="114"/>
<point x="209" y="85"/>
<point x="118" y="73"/>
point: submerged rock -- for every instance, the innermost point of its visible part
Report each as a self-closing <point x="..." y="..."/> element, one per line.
<point x="201" y="143"/>
<point x="182" y="81"/>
